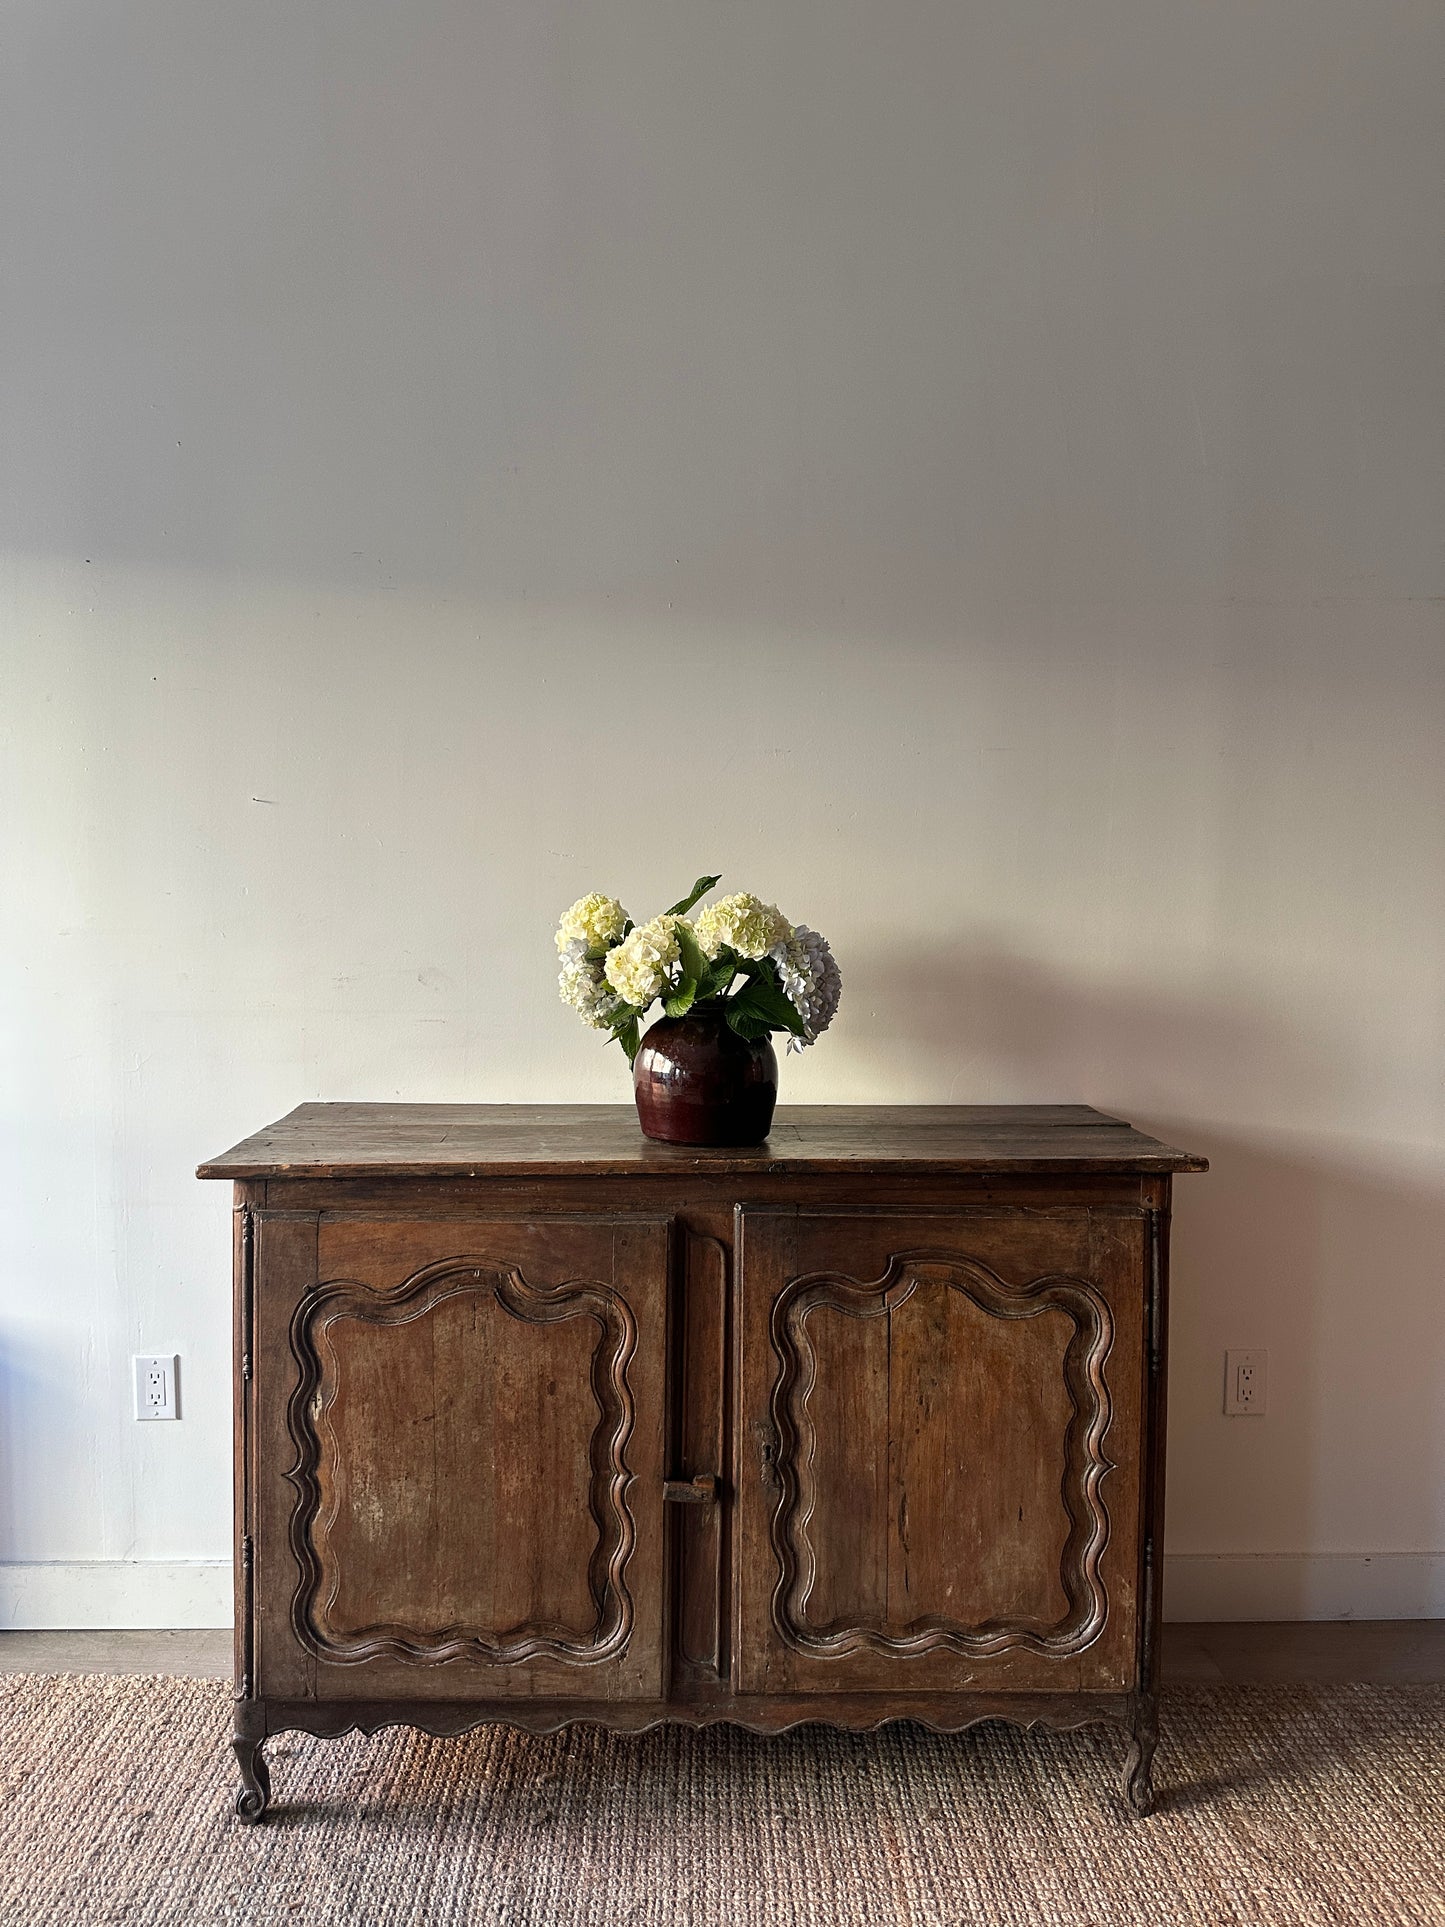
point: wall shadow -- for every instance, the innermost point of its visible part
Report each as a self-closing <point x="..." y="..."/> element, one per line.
<point x="30" y="1389"/>
<point x="1322" y="1246"/>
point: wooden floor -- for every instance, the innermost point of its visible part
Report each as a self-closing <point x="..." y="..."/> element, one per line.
<point x="1383" y="1651"/>
<point x="180" y="1655"/>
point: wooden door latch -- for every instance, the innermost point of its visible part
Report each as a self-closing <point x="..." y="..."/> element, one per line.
<point x="699" y="1491"/>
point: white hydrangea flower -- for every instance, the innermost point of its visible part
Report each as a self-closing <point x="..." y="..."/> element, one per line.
<point x="593" y="920"/>
<point x="743" y="922"/>
<point x="637" y="968"/>
<point x="582" y="985"/>
<point x="811" y="980"/>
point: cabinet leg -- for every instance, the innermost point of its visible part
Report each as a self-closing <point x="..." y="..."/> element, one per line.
<point x="1139" y="1760"/>
<point x="255" y="1794"/>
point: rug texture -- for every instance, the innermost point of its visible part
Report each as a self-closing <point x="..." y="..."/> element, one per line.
<point x="1280" y="1807"/>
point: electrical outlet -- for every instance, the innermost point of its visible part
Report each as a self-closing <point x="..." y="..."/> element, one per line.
<point x="155" y="1386"/>
<point x="1246" y="1384"/>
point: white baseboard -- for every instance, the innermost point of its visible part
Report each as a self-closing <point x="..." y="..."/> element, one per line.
<point x="196" y="1593"/>
<point x="73" y="1595"/>
<point x="1304" y="1585"/>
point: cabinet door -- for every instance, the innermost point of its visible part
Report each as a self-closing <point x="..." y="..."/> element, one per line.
<point x="476" y="1411"/>
<point x="939" y="1452"/>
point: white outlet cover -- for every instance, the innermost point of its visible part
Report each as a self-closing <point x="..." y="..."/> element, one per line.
<point x="156" y="1377"/>
<point x="1246" y="1384"/>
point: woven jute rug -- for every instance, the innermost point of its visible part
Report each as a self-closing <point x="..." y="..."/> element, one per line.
<point x="1281" y="1807"/>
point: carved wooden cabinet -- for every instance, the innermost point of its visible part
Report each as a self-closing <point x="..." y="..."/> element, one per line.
<point x="538" y="1421"/>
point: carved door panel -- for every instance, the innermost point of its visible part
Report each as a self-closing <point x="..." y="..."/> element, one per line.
<point x="476" y="1419"/>
<point x="938" y="1451"/>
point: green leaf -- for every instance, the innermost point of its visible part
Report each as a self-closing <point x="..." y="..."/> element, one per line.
<point x="760" y="999"/>
<point x="625" y="1029"/>
<point x="629" y="1036"/>
<point x="699" y="889"/>
<point x="717" y="979"/>
<point x="694" y="963"/>
<point x="677" y="1003"/>
<point x="747" y="1022"/>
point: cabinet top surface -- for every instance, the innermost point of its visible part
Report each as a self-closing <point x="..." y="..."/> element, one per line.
<point x="534" y="1140"/>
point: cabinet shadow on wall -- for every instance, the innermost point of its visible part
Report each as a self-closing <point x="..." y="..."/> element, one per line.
<point x="1317" y="1245"/>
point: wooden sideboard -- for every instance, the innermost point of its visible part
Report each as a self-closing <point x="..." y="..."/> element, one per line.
<point x="539" y="1421"/>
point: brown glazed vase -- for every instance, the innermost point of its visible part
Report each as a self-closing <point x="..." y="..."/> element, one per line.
<point x="697" y="1082"/>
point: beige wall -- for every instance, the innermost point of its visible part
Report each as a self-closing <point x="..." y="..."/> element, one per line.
<point x="971" y="473"/>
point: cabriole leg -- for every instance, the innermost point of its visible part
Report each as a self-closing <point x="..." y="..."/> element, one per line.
<point x="255" y="1794"/>
<point x="1139" y="1760"/>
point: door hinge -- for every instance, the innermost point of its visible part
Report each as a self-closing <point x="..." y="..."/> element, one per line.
<point x="245" y="1683"/>
<point x="248" y="1287"/>
<point x="1153" y="1218"/>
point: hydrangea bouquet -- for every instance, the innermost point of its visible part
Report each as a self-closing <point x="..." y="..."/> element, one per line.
<point x="739" y="954"/>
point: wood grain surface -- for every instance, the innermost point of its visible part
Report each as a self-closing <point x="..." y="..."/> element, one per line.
<point x="946" y="1490"/>
<point x="449" y="1140"/>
